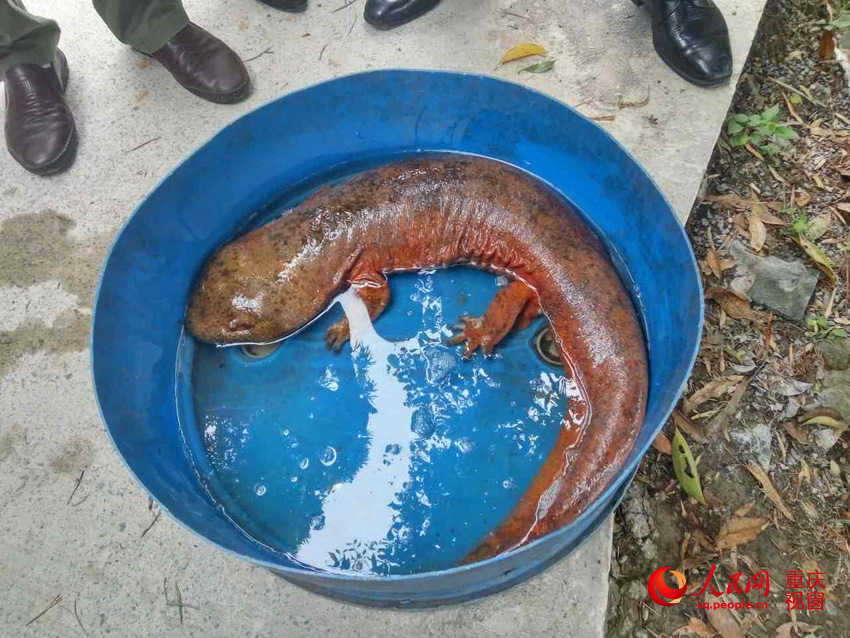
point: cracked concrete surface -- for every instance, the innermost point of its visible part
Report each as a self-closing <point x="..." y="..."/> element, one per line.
<point x="135" y="123"/>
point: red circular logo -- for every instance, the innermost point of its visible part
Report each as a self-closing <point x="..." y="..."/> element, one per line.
<point x="661" y="592"/>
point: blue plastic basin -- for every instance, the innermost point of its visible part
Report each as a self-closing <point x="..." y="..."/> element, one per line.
<point x="160" y="394"/>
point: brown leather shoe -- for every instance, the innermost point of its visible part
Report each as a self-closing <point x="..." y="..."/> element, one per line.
<point x="40" y="131"/>
<point x="205" y="66"/>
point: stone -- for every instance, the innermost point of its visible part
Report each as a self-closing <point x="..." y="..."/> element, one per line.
<point x="836" y="392"/>
<point x="754" y="442"/>
<point x="825" y="438"/>
<point x="835" y="353"/>
<point x="783" y="286"/>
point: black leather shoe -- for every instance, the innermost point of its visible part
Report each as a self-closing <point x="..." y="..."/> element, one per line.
<point x="40" y="131"/>
<point x="204" y="65"/>
<point x="291" y="6"/>
<point x="388" y="14"/>
<point x="692" y="38"/>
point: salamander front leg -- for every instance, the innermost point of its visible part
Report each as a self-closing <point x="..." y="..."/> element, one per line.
<point x="514" y="305"/>
<point x="375" y="293"/>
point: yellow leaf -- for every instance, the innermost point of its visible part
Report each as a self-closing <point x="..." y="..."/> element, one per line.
<point x="818" y="256"/>
<point x="825" y="420"/>
<point x="769" y="490"/>
<point x="522" y="51"/>
<point x="737" y="531"/>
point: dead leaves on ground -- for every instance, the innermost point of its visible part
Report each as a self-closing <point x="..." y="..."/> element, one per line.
<point x="733" y="303"/>
<point x="723" y="620"/>
<point x="769" y="490"/>
<point x="737" y="531"/>
<point x="695" y="627"/>
<point x="711" y="390"/>
<point x="801" y="628"/>
<point x="816" y="254"/>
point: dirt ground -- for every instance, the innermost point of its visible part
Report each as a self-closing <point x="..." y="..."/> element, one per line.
<point x="766" y="408"/>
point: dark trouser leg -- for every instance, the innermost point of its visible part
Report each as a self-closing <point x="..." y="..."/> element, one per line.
<point x="145" y="25"/>
<point x="25" y="38"/>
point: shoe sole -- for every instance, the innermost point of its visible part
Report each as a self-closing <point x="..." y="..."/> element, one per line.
<point x="64" y="160"/>
<point x="386" y="26"/>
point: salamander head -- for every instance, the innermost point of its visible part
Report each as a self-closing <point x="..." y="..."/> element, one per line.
<point x="240" y="297"/>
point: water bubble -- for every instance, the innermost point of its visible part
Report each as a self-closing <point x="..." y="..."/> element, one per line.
<point x="508" y="483"/>
<point x="286" y="433"/>
<point x="294" y="479"/>
<point x="440" y="362"/>
<point x="259" y="489"/>
<point x="465" y="445"/>
<point x="304" y="464"/>
<point x="328" y="456"/>
<point x="317" y="522"/>
<point x="423" y="423"/>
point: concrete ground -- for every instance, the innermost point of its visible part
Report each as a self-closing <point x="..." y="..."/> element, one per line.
<point x="89" y="544"/>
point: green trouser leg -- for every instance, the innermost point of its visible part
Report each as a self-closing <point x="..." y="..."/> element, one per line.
<point x="143" y="24"/>
<point x="25" y="38"/>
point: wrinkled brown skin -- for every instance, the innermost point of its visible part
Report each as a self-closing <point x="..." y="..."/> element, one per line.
<point x="442" y="211"/>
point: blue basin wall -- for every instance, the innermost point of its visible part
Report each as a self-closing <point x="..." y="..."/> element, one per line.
<point x="295" y="139"/>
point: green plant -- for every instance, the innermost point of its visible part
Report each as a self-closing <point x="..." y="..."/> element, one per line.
<point x="763" y="131"/>
<point x="840" y="19"/>
<point x="800" y="222"/>
<point x="819" y="325"/>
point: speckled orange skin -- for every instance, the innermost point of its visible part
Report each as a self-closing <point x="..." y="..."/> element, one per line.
<point x="442" y="211"/>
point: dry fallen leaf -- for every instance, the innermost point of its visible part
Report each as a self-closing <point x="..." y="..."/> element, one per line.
<point x="684" y="423"/>
<point x="695" y="627"/>
<point x="662" y="444"/>
<point x="711" y="390"/>
<point x="785" y="631"/>
<point x="729" y="201"/>
<point x="523" y="50"/>
<point x="800" y="436"/>
<point x="733" y="303"/>
<point x="769" y="218"/>
<point x="745" y="509"/>
<point x="818" y="256"/>
<point x="825" y="420"/>
<point x="722" y="620"/>
<point x="737" y="531"/>
<point x="713" y="262"/>
<point x="769" y="490"/>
